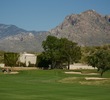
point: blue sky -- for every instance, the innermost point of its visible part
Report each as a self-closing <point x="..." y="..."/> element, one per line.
<point x="41" y="15"/>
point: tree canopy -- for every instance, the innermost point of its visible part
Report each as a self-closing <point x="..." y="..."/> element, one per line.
<point x="100" y="59"/>
<point x="10" y="59"/>
<point x="59" y="51"/>
<point x="70" y="51"/>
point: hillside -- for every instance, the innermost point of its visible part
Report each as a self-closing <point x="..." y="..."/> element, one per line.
<point x="88" y="28"/>
<point x="14" y="39"/>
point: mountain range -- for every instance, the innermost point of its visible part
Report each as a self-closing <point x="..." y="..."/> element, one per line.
<point x="88" y="28"/>
<point x="14" y="39"/>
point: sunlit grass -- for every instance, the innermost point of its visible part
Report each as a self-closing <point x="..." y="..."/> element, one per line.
<point x="51" y="85"/>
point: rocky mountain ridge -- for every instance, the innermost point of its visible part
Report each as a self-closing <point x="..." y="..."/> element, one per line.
<point x="14" y="39"/>
<point x="88" y="28"/>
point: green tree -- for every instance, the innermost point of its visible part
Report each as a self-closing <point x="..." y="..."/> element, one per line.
<point x="70" y="51"/>
<point x="1" y="56"/>
<point x="10" y="59"/>
<point x="87" y="51"/>
<point x="60" y="51"/>
<point x="100" y="59"/>
<point x="42" y="62"/>
<point x="51" y="50"/>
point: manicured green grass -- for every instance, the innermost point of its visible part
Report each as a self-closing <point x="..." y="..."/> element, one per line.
<point x="48" y="85"/>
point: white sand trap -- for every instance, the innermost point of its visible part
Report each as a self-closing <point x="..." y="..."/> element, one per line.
<point x="95" y="78"/>
<point x="73" y="72"/>
<point x="14" y="72"/>
<point x="90" y="74"/>
<point x="82" y="73"/>
<point x="11" y="72"/>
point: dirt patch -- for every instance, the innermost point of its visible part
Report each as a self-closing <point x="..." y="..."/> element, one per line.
<point x="70" y="80"/>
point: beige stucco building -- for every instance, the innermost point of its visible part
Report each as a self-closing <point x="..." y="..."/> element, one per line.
<point x="27" y="58"/>
<point x="80" y="66"/>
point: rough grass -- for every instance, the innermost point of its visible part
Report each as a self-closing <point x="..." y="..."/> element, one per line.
<point x="51" y="85"/>
<point x="83" y="81"/>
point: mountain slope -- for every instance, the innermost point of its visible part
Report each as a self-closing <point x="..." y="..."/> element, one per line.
<point x="9" y="30"/>
<point x="87" y="28"/>
<point x="23" y="43"/>
<point x="14" y="39"/>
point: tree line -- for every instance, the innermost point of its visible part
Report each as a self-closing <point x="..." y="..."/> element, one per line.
<point x="61" y="52"/>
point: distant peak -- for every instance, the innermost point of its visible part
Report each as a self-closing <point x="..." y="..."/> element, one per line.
<point x="90" y="11"/>
<point x="31" y="35"/>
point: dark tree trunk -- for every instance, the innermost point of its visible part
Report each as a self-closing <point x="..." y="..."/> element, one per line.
<point x="68" y="65"/>
<point x="98" y="69"/>
<point x="102" y="73"/>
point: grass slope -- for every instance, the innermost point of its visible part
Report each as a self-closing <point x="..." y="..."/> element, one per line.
<point x="46" y="85"/>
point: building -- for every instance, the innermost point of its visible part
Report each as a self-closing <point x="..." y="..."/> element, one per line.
<point x="27" y="59"/>
<point x="2" y="65"/>
<point x="80" y="66"/>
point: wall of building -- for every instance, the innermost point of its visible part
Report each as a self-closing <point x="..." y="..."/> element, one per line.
<point x="80" y="66"/>
<point x="27" y="58"/>
<point x="2" y="65"/>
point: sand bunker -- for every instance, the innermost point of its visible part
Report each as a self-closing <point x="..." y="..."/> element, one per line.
<point x="73" y="72"/>
<point x="82" y="73"/>
<point x="11" y="72"/>
<point x="14" y="72"/>
<point x="90" y="74"/>
<point x="95" y="78"/>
